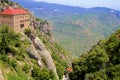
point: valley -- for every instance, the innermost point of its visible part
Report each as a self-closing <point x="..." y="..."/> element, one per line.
<point x="77" y="29"/>
<point x="45" y="41"/>
<point x="79" y="32"/>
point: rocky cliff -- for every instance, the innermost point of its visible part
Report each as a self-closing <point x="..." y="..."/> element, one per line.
<point x="45" y="28"/>
<point x="41" y="51"/>
<point x="32" y="55"/>
<point x="6" y="3"/>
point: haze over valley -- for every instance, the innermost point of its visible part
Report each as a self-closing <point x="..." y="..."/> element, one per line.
<point x="76" y="29"/>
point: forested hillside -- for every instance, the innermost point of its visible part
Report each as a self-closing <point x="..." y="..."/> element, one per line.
<point x="31" y="54"/>
<point x="20" y="59"/>
<point x="102" y="62"/>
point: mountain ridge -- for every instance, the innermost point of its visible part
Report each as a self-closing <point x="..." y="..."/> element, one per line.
<point x="47" y="3"/>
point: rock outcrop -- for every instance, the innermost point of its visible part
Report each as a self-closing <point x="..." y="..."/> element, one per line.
<point x="38" y="50"/>
<point x="46" y="29"/>
<point x="1" y="75"/>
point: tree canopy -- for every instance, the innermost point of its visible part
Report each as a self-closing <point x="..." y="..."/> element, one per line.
<point x="102" y="62"/>
<point x="9" y="40"/>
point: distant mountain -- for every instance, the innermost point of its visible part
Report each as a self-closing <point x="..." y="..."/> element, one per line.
<point x="75" y="28"/>
<point x="48" y="6"/>
<point x="65" y="8"/>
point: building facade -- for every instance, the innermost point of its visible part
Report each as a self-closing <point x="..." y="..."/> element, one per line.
<point x="18" y="19"/>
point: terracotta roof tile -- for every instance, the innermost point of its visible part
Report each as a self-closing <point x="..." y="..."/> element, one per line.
<point x="14" y="11"/>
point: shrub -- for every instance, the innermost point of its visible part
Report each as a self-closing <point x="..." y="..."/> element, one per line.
<point x="26" y="68"/>
<point x="13" y="63"/>
<point x="44" y="60"/>
<point x="52" y="75"/>
<point x="27" y="31"/>
<point x="4" y="58"/>
<point x="60" y="70"/>
<point x="9" y="40"/>
<point x="40" y="74"/>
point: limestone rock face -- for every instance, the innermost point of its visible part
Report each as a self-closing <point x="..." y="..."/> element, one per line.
<point x="1" y="75"/>
<point x="44" y="26"/>
<point x="46" y="29"/>
<point x="44" y="52"/>
<point x="34" y="54"/>
<point x="39" y="50"/>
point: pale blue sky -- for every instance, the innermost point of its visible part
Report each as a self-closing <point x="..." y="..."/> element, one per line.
<point x="115" y="4"/>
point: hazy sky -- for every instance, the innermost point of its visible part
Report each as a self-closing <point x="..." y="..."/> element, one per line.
<point x="115" y="4"/>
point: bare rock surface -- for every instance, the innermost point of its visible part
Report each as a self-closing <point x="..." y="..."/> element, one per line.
<point x="46" y="54"/>
<point x="1" y="75"/>
<point x="39" y="50"/>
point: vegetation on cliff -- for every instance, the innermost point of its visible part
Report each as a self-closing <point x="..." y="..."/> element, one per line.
<point x="59" y="55"/>
<point x="102" y="62"/>
<point x="21" y="58"/>
<point x="15" y="62"/>
<point x="6" y="3"/>
<point x="13" y="55"/>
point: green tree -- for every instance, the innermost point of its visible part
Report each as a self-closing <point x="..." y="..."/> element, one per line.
<point x="9" y="40"/>
<point x="60" y="69"/>
<point x="52" y="75"/>
<point x="102" y="62"/>
<point x="40" y="74"/>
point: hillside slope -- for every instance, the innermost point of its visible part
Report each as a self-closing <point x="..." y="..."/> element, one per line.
<point x="78" y="28"/>
<point x="22" y="56"/>
<point x="32" y="55"/>
<point x="102" y="62"/>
